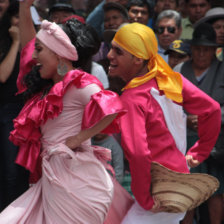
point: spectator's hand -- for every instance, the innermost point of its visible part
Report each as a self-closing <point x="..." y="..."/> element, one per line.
<point x="192" y="122"/>
<point x="191" y="161"/>
<point x="14" y="33"/>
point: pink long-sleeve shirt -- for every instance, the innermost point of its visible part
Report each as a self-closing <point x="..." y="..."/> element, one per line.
<point x="145" y="136"/>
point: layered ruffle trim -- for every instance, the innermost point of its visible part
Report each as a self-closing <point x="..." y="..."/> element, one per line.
<point x="39" y="109"/>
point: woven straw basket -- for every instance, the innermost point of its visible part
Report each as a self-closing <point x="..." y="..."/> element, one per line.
<point x="179" y="192"/>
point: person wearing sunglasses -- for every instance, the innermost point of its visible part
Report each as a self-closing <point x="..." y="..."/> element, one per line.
<point x="167" y="29"/>
<point x="161" y="5"/>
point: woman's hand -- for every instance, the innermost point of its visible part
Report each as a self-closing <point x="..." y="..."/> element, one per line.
<point x="191" y="161"/>
<point x="14" y="33"/>
<point x="73" y="142"/>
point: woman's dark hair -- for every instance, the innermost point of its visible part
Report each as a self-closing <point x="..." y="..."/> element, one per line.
<point x="85" y="39"/>
<point x="87" y="43"/>
<point x="35" y="83"/>
<point x="5" y="24"/>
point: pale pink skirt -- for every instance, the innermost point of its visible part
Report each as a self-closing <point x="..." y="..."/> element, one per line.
<point x="75" y="188"/>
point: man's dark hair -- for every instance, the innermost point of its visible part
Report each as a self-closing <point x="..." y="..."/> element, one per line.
<point x="140" y="3"/>
<point x="116" y="6"/>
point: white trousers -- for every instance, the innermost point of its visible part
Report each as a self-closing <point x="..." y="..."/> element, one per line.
<point x="138" y="215"/>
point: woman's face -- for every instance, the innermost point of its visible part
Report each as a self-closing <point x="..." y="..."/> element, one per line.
<point x="202" y="56"/>
<point x="47" y="60"/>
<point x="218" y="26"/>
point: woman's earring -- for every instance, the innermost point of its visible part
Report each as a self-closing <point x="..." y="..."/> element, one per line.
<point x="62" y="68"/>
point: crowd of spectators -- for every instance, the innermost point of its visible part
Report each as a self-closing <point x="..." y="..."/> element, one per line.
<point x="185" y="41"/>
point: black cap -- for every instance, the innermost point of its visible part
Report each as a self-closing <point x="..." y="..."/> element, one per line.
<point x="116" y="6"/>
<point x="62" y="6"/>
<point x="204" y="35"/>
<point x="179" y="46"/>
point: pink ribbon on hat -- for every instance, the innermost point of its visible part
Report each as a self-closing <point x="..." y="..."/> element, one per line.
<point x="57" y="40"/>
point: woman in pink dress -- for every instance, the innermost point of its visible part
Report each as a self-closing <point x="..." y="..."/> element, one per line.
<point x="65" y="108"/>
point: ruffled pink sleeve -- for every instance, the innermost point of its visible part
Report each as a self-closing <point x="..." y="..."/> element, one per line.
<point x="101" y="104"/>
<point x="38" y="110"/>
<point x="26" y="64"/>
<point x="26" y="135"/>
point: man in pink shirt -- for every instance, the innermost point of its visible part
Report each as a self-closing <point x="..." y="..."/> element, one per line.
<point x="154" y="129"/>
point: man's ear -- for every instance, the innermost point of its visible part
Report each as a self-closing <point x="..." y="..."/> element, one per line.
<point x="138" y="61"/>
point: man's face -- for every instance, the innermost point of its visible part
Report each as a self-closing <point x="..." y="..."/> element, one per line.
<point x="59" y="16"/>
<point x="113" y="19"/>
<point x="218" y="26"/>
<point x="176" y="58"/>
<point x="121" y="62"/>
<point x="197" y="9"/>
<point x="162" y="5"/>
<point x="202" y="56"/>
<point x="4" y="4"/>
<point x="167" y="31"/>
<point x="139" y="14"/>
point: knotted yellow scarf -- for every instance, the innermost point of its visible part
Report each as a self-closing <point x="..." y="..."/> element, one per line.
<point x="140" y="41"/>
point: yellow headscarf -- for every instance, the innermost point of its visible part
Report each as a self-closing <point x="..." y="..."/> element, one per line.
<point x="140" y="41"/>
